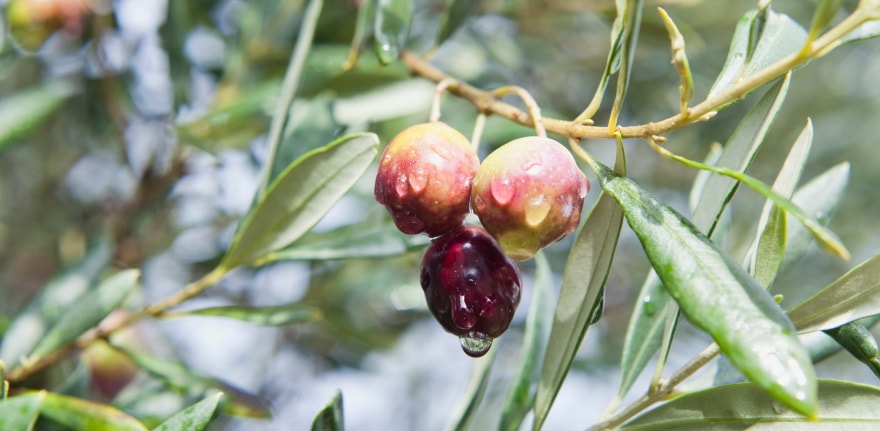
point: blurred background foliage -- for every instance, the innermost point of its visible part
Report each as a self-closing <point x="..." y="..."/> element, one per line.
<point x="140" y="129"/>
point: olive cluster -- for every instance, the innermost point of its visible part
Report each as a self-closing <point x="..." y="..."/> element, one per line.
<point x="527" y="194"/>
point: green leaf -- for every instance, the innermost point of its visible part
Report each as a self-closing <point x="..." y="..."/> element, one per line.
<point x="521" y="396"/>
<point x="781" y="36"/>
<point x="300" y="197"/>
<point x="709" y="197"/>
<point x="778" y="37"/>
<point x="330" y="417"/>
<point x="718" y="296"/>
<point x="83" y="415"/>
<point x="363" y="28"/>
<point x="177" y="376"/>
<point x="87" y="311"/>
<point x="194" y="418"/>
<point x="309" y="126"/>
<point x="819" y="198"/>
<point x="288" y="91"/>
<point x="455" y="14"/>
<point x="583" y="281"/>
<point x="854" y="295"/>
<point x="391" y="30"/>
<point x="632" y="22"/>
<point x="737" y="55"/>
<point x="842" y="405"/>
<point x="859" y="342"/>
<point x="270" y="316"/>
<point x="360" y="240"/>
<point x="20" y="412"/>
<point x="768" y="249"/>
<point x="825" y="12"/>
<point x="50" y="304"/>
<point x="469" y="404"/>
<point x="22" y="112"/>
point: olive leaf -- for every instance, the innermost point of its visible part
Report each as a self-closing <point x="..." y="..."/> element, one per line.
<point x="391" y="29"/>
<point x="843" y="405"/>
<point x="278" y="315"/>
<point x="580" y="296"/>
<point x="193" y="418"/>
<point x="854" y="295"/>
<point x="330" y="417"/>
<point x="521" y="396"/>
<point x="300" y="197"/>
<point x="718" y="296"/>
<point x="20" y="412"/>
<point x="83" y="415"/>
<point x="22" y="112"/>
<point x="469" y="404"/>
<point x="709" y="197"/>
<point x="455" y="14"/>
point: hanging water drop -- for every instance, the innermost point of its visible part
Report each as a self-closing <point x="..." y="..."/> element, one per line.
<point x="648" y="305"/>
<point x="418" y="179"/>
<point x="401" y="187"/>
<point x="537" y="210"/>
<point x="475" y="344"/>
<point x="502" y="191"/>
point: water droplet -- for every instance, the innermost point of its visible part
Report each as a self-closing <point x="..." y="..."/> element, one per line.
<point x="401" y="186"/>
<point x="418" y="179"/>
<point x="648" y="304"/>
<point x="777" y="408"/>
<point x="475" y="344"/>
<point x="583" y="187"/>
<point x="502" y="191"/>
<point x="462" y="314"/>
<point x="532" y="167"/>
<point x="537" y="210"/>
<point x="479" y="203"/>
<point x="442" y="150"/>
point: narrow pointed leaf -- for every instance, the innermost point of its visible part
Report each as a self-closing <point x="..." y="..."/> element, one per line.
<point x="718" y="296"/>
<point x="309" y="126"/>
<point x="632" y="22"/>
<point x="87" y="311"/>
<point x="859" y="342"/>
<point x="455" y="14"/>
<point x="194" y="418"/>
<point x="768" y="249"/>
<point x="288" y="91"/>
<point x="469" y="404"/>
<point x="737" y="54"/>
<point x="868" y="30"/>
<point x="521" y="396"/>
<point x="583" y="281"/>
<point x="363" y="29"/>
<point x="854" y="295"/>
<point x="619" y="33"/>
<point x="300" y="197"/>
<point x="177" y="376"/>
<point x="330" y="418"/>
<point x="83" y="415"/>
<point x="353" y="241"/>
<point x="842" y="405"/>
<point x="709" y="197"/>
<point x="825" y="12"/>
<point x="271" y="316"/>
<point x="760" y="39"/>
<point x="819" y="198"/>
<point x="391" y="30"/>
<point x="22" y="112"/>
<point x="53" y="299"/>
<point x="20" y="412"/>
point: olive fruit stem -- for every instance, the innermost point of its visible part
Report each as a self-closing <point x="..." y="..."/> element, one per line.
<point x="531" y="105"/>
<point x="479" y="125"/>
<point x="487" y="102"/>
<point x="438" y="93"/>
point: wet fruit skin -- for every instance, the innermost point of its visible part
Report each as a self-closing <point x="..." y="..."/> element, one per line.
<point x="424" y="178"/>
<point x="529" y="193"/>
<point x="471" y="286"/>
